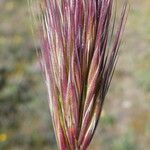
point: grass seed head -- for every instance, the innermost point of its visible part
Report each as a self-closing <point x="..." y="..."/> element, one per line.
<point x="80" y="40"/>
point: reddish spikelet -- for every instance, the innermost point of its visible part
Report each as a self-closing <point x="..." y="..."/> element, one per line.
<point x="80" y="43"/>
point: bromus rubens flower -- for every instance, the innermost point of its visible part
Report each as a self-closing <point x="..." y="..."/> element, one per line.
<point x="80" y="40"/>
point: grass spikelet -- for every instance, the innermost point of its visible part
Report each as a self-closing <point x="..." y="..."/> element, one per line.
<point x="80" y="41"/>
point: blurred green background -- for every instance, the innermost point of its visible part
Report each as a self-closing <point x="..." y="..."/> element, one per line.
<point x="24" y="114"/>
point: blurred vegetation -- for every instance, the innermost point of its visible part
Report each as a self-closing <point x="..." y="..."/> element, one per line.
<point x="24" y="115"/>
